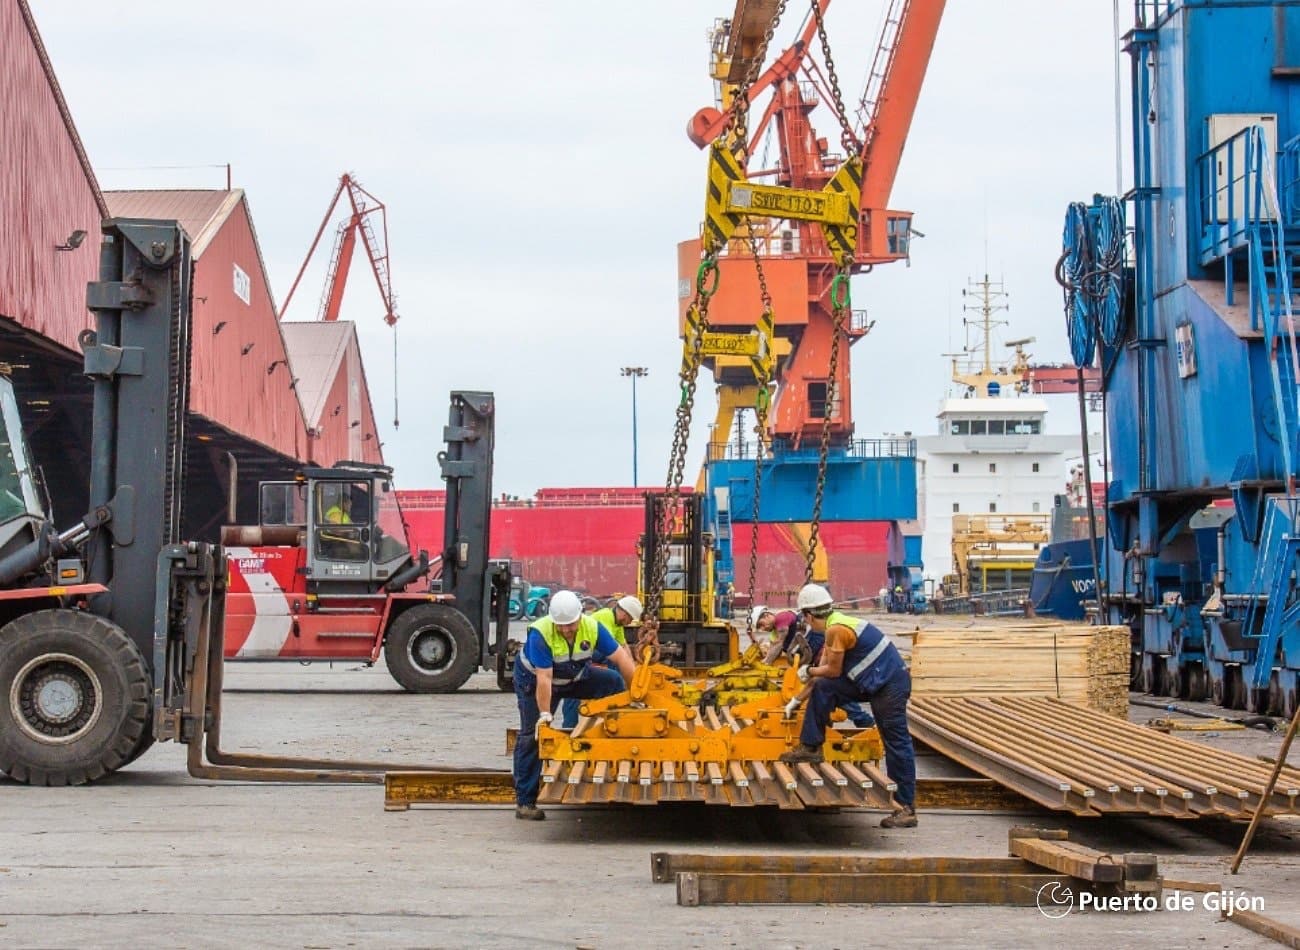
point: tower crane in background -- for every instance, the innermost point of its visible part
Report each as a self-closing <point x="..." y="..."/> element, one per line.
<point x="365" y="207"/>
<point x="806" y="444"/>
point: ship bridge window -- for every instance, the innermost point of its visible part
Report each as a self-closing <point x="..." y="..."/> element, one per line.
<point x="997" y="427"/>
<point x="978" y="427"/>
<point x="1024" y="427"/>
<point x="959" y="427"/>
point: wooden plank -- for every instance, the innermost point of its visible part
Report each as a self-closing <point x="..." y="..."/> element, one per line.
<point x="665" y="865"/>
<point x="1066" y="857"/>
<point x="703" y="889"/>
<point x="1269" y="927"/>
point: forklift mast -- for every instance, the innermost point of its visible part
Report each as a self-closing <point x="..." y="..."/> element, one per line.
<point x="138" y="357"/>
<point x="480" y="585"/>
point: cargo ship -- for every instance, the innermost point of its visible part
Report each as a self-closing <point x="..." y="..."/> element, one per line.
<point x="585" y="539"/>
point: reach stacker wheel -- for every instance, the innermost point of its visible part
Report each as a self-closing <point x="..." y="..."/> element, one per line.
<point x="74" y="698"/>
<point x="431" y="648"/>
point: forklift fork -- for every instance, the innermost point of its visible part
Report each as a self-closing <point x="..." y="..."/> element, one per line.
<point x="189" y="674"/>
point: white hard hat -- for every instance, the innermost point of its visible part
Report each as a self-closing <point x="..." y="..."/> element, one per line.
<point x="566" y="607"/>
<point x="632" y="606"/>
<point x="812" y="596"/>
<point x="756" y="613"/>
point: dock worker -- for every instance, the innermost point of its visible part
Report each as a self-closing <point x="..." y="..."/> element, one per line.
<point x="773" y="628"/>
<point x="558" y="661"/>
<point x="858" y="664"/>
<point x="625" y="612"/>
<point x="341" y="511"/>
<point x="786" y="625"/>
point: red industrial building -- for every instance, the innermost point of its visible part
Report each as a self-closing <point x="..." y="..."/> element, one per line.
<point x="250" y="374"/>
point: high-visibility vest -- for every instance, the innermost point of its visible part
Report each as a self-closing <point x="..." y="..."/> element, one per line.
<point x="872" y="660"/>
<point x="605" y="617"/>
<point x="570" y="662"/>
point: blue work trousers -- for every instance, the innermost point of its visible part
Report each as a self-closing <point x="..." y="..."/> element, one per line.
<point x="595" y="683"/>
<point x="888" y="704"/>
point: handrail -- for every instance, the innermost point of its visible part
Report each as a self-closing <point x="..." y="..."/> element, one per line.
<point x="779" y="450"/>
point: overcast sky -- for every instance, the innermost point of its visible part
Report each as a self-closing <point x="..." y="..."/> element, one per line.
<point x="533" y="157"/>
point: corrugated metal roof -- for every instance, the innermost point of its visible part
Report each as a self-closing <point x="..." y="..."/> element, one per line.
<point x="201" y="212"/>
<point x="315" y="351"/>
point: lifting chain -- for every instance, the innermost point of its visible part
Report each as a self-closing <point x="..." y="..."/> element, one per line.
<point x="737" y="130"/>
<point x="697" y="324"/>
<point x="840" y="308"/>
<point x="847" y="139"/>
<point x="706" y="283"/>
<point x="762" y="396"/>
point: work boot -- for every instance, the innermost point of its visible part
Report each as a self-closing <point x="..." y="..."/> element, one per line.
<point x="805" y="753"/>
<point x="529" y="813"/>
<point x="904" y="816"/>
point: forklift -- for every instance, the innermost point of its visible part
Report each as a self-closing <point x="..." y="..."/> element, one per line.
<point x="326" y="573"/>
<point x="111" y="630"/>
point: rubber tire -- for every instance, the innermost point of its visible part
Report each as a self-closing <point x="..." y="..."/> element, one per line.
<point x="412" y="622"/>
<point x="118" y="735"/>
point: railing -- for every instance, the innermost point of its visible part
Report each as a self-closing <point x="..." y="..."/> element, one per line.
<point x="1289" y="182"/>
<point x="857" y="449"/>
<point x="1149" y="13"/>
<point x="1232" y="199"/>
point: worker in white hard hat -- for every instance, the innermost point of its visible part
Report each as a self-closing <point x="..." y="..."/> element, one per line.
<point x="558" y="661"/>
<point x="858" y="663"/>
<point x="783" y="628"/>
<point x="624" y="612"/>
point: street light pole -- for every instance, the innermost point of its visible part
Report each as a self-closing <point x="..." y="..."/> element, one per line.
<point x="635" y="372"/>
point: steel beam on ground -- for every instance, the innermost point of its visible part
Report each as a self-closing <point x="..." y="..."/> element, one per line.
<point x="1021" y="890"/>
<point x="666" y="865"/>
<point x="404" y="789"/>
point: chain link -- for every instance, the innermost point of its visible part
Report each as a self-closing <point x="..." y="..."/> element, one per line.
<point x="840" y="306"/>
<point x="848" y="140"/>
<point x="737" y="130"/>
<point x="760" y="426"/>
<point x="667" y="513"/>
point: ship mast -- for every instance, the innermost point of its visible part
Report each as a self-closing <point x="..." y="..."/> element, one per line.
<point x="976" y="372"/>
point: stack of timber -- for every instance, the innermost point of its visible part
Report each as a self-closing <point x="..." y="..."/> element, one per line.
<point x="1077" y="663"/>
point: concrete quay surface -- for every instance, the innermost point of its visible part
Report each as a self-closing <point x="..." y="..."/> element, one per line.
<point x="153" y="857"/>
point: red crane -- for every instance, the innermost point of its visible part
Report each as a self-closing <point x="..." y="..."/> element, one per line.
<point x="365" y="207"/>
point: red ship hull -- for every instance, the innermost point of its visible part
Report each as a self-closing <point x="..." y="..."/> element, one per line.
<point x="586" y="539"/>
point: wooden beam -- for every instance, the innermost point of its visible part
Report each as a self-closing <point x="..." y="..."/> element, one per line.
<point x="666" y="865"/>
<point x="1269" y="927"/>
<point x="1066" y="857"/>
<point x="702" y="889"/>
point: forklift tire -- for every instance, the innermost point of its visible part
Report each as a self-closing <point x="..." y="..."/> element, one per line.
<point x="431" y="648"/>
<point x="74" y="698"/>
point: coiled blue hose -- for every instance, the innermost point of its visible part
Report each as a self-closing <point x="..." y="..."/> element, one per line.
<point x="1075" y="267"/>
<point x="1091" y="273"/>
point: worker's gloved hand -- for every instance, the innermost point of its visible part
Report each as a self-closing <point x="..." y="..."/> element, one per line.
<point x="546" y="718"/>
<point x="804" y="673"/>
<point x="791" y="708"/>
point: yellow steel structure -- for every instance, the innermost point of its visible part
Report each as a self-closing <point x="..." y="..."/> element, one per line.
<point x="982" y="544"/>
<point x="653" y="743"/>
